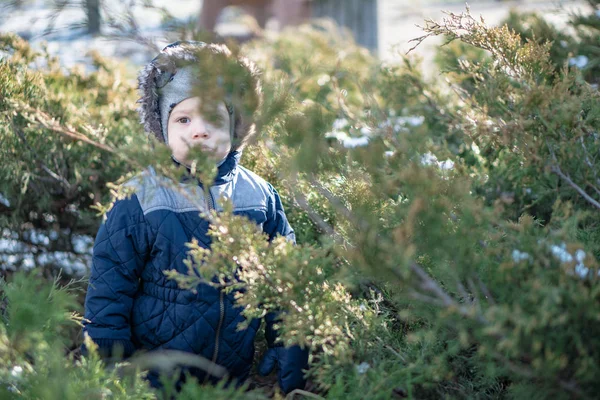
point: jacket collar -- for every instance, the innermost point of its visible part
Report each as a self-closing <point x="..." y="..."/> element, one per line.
<point x="225" y="171"/>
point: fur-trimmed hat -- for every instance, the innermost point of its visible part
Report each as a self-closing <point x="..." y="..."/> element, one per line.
<point x="236" y="78"/>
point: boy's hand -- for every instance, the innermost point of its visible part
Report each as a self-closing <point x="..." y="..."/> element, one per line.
<point x="290" y="361"/>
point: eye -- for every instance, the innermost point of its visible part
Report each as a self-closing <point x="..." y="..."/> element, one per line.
<point x="183" y="120"/>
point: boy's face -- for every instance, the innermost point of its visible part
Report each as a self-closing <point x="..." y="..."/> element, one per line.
<point x="187" y="128"/>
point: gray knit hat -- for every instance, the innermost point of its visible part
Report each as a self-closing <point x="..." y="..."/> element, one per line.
<point x="178" y="88"/>
<point x="171" y="76"/>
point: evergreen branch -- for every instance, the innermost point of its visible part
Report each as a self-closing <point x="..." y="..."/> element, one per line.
<point x="590" y="184"/>
<point x="430" y="285"/>
<point x="337" y="203"/>
<point x="426" y="299"/>
<point x="39" y="117"/>
<point x="528" y="373"/>
<point x="313" y="215"/>
<point x="556" y="169"/>
<point x="60" y="179"/>
<point x="485" y="290"/>
<point x="50" y="123"/>
<point x="391" y="349"/>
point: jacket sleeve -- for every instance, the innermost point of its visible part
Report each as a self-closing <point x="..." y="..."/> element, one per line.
<point x="119" y="255"/>
<point x="293" y="360"/>
<point x="276" y="224"/>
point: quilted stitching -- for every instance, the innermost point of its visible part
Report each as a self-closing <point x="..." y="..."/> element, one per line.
<point x="122" y="250"/>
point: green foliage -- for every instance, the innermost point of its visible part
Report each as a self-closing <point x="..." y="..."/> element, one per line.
<point x="474" y="277"/>
<point x="33" y="347"/>
<point x="51" y="177"/>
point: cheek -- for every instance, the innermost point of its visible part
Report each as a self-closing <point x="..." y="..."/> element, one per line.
<point x="176" y="143"/>
<point x="223" y="138"/>
<point x="175" y="133"/>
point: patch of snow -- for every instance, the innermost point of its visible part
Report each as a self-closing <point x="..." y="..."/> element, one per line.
<point x="366" y="131"/>
<point x="4" y="200"/>
<point x="347" y="141"/>
<point x="340" y="124"/>
<point x="580" y="269"/>
<point x="411" y="120"/>
<point x="28" y="262"/>
<point x="579" y="61"/>
<point x="350" y="142"/>
<point x="323" y="79"/>
<point x="16" y="371"/>
<point x="70" y="263"/>
<point x="446" y="165"/>
<point x="17" y="254"/>
<point x="9" y="245"/>
<point x="401" y="124"/>
<point x="83" y="244"/>
<point x="519" y="256"/>
<point x="362" y="368"/>
<point x="561" y="253"/>
<point x="430" y="159"/>
<point x="37" y="237"/>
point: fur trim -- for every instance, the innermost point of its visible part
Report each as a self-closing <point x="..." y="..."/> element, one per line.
<point x="179" y="53"/>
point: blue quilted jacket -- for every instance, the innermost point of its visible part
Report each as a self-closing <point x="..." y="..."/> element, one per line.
<point x="130" y="302"/>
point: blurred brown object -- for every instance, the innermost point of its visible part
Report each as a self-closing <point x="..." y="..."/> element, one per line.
<point x="286" y="12"/>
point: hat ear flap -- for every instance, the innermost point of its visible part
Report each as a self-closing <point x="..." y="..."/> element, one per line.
<point x="148" y="109"/>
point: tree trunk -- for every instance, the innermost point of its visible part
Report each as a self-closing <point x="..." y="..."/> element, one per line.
<point x="93" y="16"/>
<point x="360" y="16"/>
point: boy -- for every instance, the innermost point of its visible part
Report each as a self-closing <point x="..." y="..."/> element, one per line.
<point x="130" y="304"/>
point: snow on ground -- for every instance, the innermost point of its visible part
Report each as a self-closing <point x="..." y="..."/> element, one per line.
<point x="15" y="253"/>
<point x="398" y="20"/>
<point x="397" y="25"/>
<point x="68" y="38"/>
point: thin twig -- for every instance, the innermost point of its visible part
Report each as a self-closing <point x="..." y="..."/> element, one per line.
<point x="556" y="169"/>
<point x="49" y="122"/>
<point x="426" y="299"/>
<point x="62" y="180"/>
<point x="294" y="392"/>
<point x="313" y="215"/>
<point x="590" y="184"/>
<point x="473" y="290"/>
<point x="462" y="290"/>
<point x="485" y="291"/>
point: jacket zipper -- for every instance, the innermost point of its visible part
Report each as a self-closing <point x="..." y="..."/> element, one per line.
<point x="211" y="206"/>
<point x="211" y="201"/>
<point x="221" y="317"/>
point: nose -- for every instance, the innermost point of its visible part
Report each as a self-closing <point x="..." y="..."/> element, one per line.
<point x="200" y="131"/>
<point x="200" y="134"/>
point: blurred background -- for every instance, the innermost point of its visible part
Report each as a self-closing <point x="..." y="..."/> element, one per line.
<point x="116" y="28"/>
